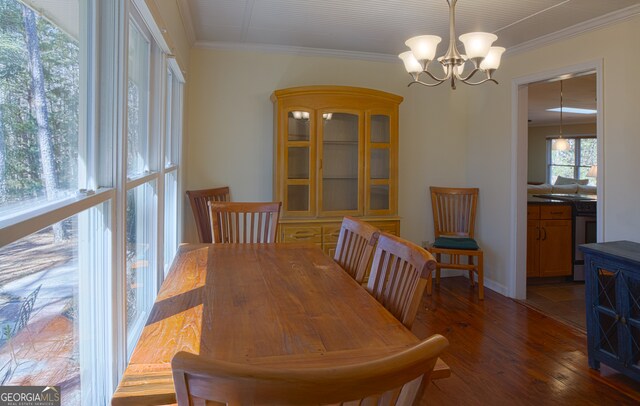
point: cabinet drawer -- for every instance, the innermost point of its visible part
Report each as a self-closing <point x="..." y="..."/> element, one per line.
<point x="533" y="212"/>
<point x="330" y="233"/>
<point x="555" y="212"/>
<point x="390" y="227"/>
<point x="297" y="233"/>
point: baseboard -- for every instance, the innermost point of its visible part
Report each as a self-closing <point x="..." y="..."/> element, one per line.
<point x="488" y="283"/>
<point x="496" y="287"/>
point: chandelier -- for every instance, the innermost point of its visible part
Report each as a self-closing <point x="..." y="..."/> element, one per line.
<point x="477" y="46"/>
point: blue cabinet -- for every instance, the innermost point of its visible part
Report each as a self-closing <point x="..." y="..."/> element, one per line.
<point x="612" y="278"/>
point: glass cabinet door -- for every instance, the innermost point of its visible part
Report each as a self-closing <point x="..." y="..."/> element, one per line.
<point x="379" y="168"/>
<point x="298" y="162"/>
<point x="339" y="166"/>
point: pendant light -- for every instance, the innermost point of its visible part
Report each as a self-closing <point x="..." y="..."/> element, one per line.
<point x="560" y="144"/>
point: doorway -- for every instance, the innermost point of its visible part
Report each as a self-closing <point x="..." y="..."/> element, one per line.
<point x="561" y="178"/>
<point x="520" y="162"/>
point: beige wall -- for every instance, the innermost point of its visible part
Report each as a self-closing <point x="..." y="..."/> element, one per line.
<point x="490" y="140"/>
<point x="230" y="135"/>
<point x="537" y="146"/>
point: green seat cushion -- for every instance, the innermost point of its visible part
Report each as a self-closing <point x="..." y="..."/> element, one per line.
<point x="456" y="243"/>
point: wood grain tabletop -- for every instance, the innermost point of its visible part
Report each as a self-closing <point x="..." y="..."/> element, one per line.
<point x="271" y="304"/>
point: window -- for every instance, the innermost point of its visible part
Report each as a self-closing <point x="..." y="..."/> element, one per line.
<point x="43" y="217"/>
<point x="138" y="102"/>
<point x="45" y="304"/>
<point x="141" y="258"/>
<point x="575" y="162"/>
<point x="88" y="203"/>
<point x="39" y="108"/>
<point x="173" y="137"/>
<point x="141" y="220"/>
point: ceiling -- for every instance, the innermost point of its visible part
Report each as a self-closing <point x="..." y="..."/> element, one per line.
<point x="577" y="92"/>
<point x="382" y="26"/>
<point x="378" y="29"/>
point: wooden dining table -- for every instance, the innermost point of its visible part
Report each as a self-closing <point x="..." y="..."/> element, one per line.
<point x="277" y="305"/>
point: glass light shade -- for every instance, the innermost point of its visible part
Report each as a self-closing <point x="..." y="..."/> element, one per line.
<point x="424" y="47"/>
<point x="560" y="144"/>
<point x="297" y="114"/>
<point x="593" y="171"/>
<point x="411" y="64"/>
<point x="492" y="60"/>
<point x="477" y="44"/>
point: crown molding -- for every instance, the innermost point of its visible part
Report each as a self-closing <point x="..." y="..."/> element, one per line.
<point x="304" y="51"/>
<point x="575" y="30"/>
<point x="187" y="21"/>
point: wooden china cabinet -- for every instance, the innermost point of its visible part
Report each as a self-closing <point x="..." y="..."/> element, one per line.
<point x="336" y="154"/>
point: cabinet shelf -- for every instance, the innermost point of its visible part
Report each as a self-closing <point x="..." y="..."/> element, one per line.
<point x="298" y="137"/>
<point x="330" y="142"/>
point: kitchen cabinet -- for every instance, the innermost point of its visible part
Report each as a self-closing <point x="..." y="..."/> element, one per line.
<point x="549" y="240"/>
<point x="612" y="290"/>
<point x="335" y="154"/>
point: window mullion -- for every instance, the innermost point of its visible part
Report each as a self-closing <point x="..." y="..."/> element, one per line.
<point x="576" y="156"/>
<point x="113" y="45"/>
<point x="133" y="183"/>
<point x="54" y="213"/>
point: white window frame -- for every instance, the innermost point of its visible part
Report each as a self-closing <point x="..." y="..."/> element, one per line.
<point x="174" y="102"/>
<point x="103" y="179"/>
<point x="149" y="213"/>
<point x="576" y="158"/>
<point x="95" y="274"/>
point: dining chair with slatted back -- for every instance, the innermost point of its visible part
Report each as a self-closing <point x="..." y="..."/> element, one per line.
<point x="399" y="275"/>
<point x="454" y="218"/>
<point x="199" y="200"/>
<point x="395" y="379"/>
<point x="355" y="246"/>
<point x="244" y="222"/>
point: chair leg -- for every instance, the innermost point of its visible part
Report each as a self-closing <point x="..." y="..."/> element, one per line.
<point x="470" y="262"/>
<point x="480" y="276"/>
<point x="438" y="270"/>
<point x="430" y="283"/>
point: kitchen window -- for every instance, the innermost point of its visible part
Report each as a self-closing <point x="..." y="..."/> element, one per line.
<point x="574" y="162"/>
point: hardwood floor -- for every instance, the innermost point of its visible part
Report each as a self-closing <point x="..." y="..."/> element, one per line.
<point x="561" y="300"/>
<point x="504" y="353"/>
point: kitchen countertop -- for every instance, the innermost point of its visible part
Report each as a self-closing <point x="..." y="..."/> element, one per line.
<point x="544" y="200"/>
